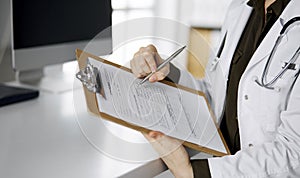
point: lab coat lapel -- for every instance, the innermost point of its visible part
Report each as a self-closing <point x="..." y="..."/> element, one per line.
<point x="234" y="25"/>
<point x="268" y="42"/>
<point x="235" y="31"/>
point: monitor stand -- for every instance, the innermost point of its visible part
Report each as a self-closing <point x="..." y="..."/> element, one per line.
<point x="30" y="76"/>
<point x="54" y="79"/>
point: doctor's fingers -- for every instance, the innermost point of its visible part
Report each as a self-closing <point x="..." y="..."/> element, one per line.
<point x="143" y="63"/>
<point x="146" y="59"/>
<point x="153" y="135"/>
<point x="161" y="74"/>
<point x="137" y="71"/>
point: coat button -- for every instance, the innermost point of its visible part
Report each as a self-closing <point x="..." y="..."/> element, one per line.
<point x="250" y="145"/>
<point x="246" y="97"/>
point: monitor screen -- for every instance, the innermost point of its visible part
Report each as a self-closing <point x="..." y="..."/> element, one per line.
<point x="46" y="32"/>
<point x="48" y="22"/>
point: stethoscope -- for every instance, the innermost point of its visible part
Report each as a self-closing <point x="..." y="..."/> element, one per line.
<point x="264" y="82"/>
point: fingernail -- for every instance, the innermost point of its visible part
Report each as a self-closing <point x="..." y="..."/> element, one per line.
<point x="153" y="78"/>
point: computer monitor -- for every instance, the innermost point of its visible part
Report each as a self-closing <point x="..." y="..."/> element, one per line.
<point x="47" y="32"/>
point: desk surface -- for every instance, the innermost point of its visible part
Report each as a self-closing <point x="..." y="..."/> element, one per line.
<point x="44" y="137"/>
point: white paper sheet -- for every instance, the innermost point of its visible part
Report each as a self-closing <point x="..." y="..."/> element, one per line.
<point x="157" y="106"/>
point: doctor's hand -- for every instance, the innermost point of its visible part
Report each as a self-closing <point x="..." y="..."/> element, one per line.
<point x="171" y="152"/>
<point x="146" y="61"/>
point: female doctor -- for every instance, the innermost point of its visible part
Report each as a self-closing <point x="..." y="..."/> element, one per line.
<point x="255" y="94"/>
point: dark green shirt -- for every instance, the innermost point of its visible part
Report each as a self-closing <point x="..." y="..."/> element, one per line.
<point x="256" y="29"/>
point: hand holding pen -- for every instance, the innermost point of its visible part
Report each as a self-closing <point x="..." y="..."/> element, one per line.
<point x="144" y="64"/>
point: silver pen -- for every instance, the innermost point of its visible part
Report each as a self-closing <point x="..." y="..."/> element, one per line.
<point x="168" y="60"/>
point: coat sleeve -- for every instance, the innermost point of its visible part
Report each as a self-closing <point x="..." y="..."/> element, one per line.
<point x="277" y="159"/>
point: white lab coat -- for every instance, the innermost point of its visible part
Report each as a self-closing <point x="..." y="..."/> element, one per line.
<point x="269" y="120"/>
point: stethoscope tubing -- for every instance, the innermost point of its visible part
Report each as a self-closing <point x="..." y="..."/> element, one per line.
<point x="269" y="84"/>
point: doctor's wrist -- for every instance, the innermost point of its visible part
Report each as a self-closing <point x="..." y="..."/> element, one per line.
<point x="183" y="171"/>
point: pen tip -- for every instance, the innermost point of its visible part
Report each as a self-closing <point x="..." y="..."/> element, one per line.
<point x="140" y="83"/>
<point x="182" y="48"/>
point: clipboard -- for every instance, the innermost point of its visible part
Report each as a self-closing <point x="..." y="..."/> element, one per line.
<point x="93" y="107"/>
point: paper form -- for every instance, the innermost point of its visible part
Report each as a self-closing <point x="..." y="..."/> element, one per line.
<point x="157" y="106"/>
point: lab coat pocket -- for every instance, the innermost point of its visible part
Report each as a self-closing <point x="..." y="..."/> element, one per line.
<point x="268" y="111"/>
<point x="219" y="53"/>
<point x="270" y="130"/>
<point x="270" y="127"/>
<point x="287" y="78"/>
<point x="282" y="87"/>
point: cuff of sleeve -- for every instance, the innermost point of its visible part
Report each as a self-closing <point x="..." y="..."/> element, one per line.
<point x="174" y="74"/>
<point x="200" y="168"/>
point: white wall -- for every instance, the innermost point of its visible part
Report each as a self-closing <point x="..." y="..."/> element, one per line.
<point x="209" y="13"/>
<point x="181" y="13"/>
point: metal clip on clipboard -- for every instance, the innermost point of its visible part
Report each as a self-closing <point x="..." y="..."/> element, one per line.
<point x="91" y="79"/>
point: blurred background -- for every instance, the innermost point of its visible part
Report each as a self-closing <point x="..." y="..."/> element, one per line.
<point x="44" y="136"/>
<point x="200" y="19"/>
<point x="199" y="16"/>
